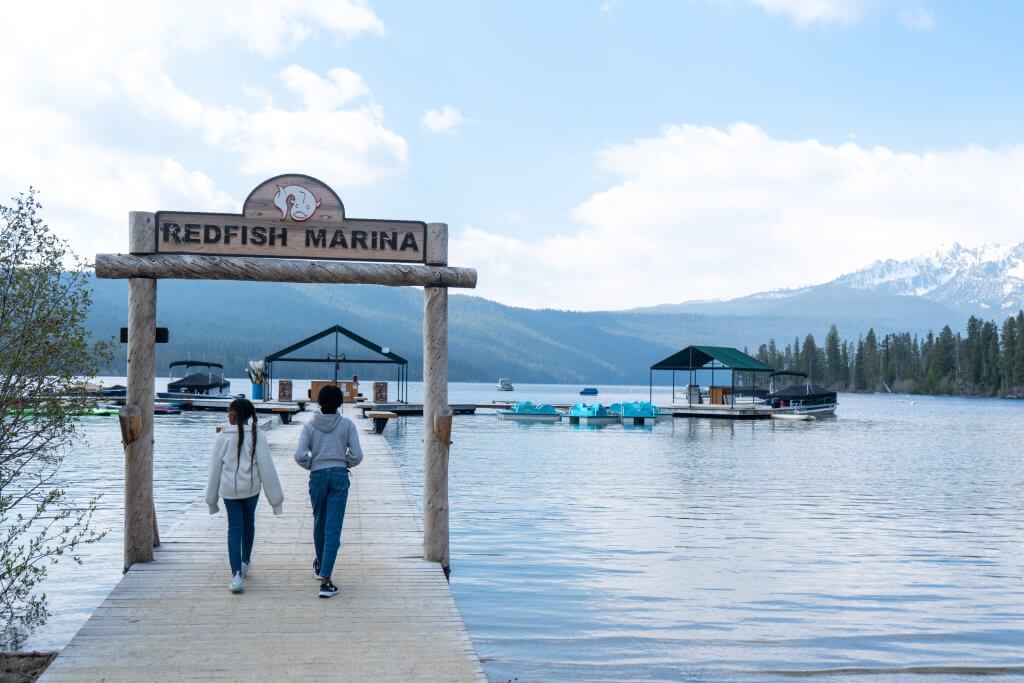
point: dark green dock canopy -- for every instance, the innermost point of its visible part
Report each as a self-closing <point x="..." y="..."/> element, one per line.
<point x="366" y="353"/>
<point x="697" y="358"/>
<point x="694" y="358"/>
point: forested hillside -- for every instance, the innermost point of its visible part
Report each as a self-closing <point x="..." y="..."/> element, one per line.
<point x="985" y="361"/>
<point x="234" y="322"/>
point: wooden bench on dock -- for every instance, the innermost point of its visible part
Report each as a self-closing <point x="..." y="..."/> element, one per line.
<point x="284" y="412"/>
<point x="380" y="419"/>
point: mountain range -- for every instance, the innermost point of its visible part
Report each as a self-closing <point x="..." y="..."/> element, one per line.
<point x="232" y="322"/>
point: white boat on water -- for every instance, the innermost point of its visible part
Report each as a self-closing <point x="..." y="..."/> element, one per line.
<point x="505" y="384"/>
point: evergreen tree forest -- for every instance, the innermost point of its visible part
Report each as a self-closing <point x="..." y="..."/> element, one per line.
<point x="986" y="361"/>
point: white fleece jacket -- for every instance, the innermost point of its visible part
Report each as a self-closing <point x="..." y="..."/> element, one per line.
<point x="237" y="477"/>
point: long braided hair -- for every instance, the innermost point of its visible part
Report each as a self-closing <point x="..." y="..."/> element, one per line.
<point x="245" y="410"/>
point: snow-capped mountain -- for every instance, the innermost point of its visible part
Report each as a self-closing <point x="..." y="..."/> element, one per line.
<point x="988" y="279"/>
<point x="917" y="294"/>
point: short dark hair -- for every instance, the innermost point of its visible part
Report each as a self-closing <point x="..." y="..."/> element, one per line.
<point x="329" y="398"/>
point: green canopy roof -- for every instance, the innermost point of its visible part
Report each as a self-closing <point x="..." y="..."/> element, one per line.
<point x="696" y="357"/>
<point x="381" y="355"/>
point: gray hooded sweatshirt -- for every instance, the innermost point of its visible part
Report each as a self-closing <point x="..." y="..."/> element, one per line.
<point x="328" y="441"/>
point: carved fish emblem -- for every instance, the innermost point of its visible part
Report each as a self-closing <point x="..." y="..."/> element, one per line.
<point x="296" y="201"/>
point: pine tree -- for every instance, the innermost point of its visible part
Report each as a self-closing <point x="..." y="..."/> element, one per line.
<point x="833" y="358"/>
<point x="871" y="375"/>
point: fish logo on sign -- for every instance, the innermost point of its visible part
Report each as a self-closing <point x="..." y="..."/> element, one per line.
<point x="296" y="201"/>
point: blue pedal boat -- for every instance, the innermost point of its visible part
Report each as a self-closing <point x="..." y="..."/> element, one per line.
<point x="526" y="411"/>
<point x="638" y="413"/>
<point x="587" y="414"/>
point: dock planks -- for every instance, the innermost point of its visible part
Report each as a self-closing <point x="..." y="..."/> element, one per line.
<point x="395" y="617"/>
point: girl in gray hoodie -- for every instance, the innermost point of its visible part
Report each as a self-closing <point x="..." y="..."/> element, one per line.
<point x="328" y="447"/>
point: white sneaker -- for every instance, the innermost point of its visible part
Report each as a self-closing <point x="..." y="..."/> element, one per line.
<point x="246" y="568"/>
<point x="237" y="583"/>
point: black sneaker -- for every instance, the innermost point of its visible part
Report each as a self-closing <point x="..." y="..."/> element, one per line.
<point x="316" y="570"/>
<point x="328" y="589"/>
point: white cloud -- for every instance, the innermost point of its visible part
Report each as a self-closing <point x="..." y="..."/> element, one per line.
<point x="805" y="12"/>
<point x="110" y="60"/>
<point x="442" y="120"/>
<point x="328" y="134"/>
<point x="324" y="94"/>
<point x="917" y="17"/>
<point x="701" y="212"/>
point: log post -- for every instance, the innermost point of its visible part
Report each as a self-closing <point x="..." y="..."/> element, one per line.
<point x="139" y="514"/>
<point x="435" y="406"/>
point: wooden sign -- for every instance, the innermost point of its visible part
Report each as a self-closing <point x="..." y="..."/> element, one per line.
<point x="284" y="390"/>
<point x="291" y="216"/>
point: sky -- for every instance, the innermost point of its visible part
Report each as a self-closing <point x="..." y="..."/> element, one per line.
<point x="586" y="154"/>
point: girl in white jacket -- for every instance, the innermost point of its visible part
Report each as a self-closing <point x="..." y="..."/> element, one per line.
<point x="241" y="464"/>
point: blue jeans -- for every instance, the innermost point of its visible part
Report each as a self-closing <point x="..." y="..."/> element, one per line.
<point x="241" y="530"/>
<point x="328" y="493"/>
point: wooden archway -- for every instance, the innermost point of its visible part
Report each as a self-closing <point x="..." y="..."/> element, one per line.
<point x="360" y="251"/>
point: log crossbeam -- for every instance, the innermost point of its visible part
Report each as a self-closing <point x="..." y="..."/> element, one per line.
<point x="193" y="267"/>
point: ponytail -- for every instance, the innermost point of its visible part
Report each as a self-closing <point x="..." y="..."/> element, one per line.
<point x="245" y="410"/>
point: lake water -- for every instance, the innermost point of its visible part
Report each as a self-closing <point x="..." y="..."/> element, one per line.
<point x="885" y="540"/>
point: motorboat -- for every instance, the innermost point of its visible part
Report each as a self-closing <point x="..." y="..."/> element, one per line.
<point x="638" y="412"/>
<point x="505" y="384"/>
<point x="588" y="391"/>
<point x="591" y="414"/>
<point x="525" y="411"/>
<point x="200" y="379"/>
<point x="166" y="409"/>
<point x="801" y="398"/>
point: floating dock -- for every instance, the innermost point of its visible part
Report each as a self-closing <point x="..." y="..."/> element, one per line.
<point x="395" y="617"/>
<point x="401" y="409"/>
<point x="285" y="409"/>
<point x="707" y="410"/>
<point x="721" y="411"/>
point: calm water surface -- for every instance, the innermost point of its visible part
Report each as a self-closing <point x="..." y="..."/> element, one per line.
<point x="888" y="538"/>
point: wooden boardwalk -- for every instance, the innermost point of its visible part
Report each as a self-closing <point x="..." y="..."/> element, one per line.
<point x="394" y="619"/>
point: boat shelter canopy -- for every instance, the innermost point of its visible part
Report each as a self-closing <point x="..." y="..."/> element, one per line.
<point x="698" y="357"/>
<point x="371" y="354"/>
<point x="711" y="358"/>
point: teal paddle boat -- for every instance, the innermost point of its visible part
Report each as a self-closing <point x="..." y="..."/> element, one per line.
<point x="525" y="411"/>
<point x="638" y="412"/>
<point x="595" y="414"/>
